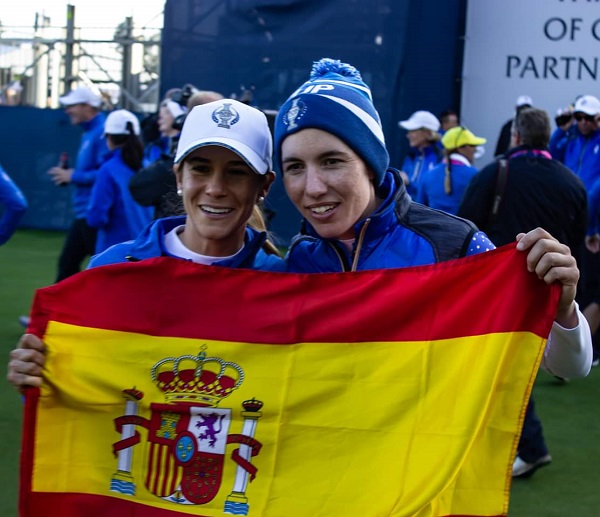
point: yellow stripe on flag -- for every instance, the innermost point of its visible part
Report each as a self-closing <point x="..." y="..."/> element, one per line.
<point x="345" y="428"/>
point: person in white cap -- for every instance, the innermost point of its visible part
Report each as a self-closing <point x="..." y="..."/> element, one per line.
<point x="223" y="166"/>
<point x="112" y="210"/>
<point x="578" y="147"/>
<point x="503" y="144"/>
<point x="82" y="106"/>
<point x="424" y="153"/>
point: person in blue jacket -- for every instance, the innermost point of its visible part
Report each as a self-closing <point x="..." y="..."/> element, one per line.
<point x="330" y="149"/>
<point x="112" y="210"/>
<point x="223" y="167"/>
<point x="13" y="204"/>
<point x="83" y="107"/>
<point x="443" y="186"/>
<point x="425" y="152"/>
<point x="578" y="146"/>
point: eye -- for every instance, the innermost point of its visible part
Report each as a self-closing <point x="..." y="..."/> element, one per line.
<point x="293" y="168"/>
<point x="331" y="162"/>
<point x="199" y="169"/>
<point x="240" y="171"/>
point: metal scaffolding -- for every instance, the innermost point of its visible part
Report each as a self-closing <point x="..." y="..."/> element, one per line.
<point x="39" y="64"/>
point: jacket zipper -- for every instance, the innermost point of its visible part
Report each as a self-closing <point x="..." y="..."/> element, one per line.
<point x="359" y="243"/>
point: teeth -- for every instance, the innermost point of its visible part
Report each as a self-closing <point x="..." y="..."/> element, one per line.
<point x="212" y="210"/>
<point x="322" y="209"/>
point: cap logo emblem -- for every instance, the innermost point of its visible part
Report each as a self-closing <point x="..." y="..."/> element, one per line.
<point x="296" y="111"/>
<point x="225" y="116"/>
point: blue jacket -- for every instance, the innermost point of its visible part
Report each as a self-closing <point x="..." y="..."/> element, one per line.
<point x="112" y="210"/>
<point x="580" y="154"/>
<point x="400" y="233"/>
<point x="416" y="163"/>
<point x="91" y="155"/>
<point x="432" y="193"/>
<point x="13" y="204"/>
<point x="150" y="243"/>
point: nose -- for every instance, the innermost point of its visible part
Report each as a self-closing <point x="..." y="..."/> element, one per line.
<point x="215" y="185"/>
<point x="315" y="185"/>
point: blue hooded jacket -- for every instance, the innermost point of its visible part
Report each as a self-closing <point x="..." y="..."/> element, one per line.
<point x="150" y="243"/>
<point x="581" y="154"/>
<point x="112" y="209"/>
<point x="91" y="155"/>
<point x="400" y="233"/>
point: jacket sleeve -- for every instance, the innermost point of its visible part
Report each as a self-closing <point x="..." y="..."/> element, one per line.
<point x="86" y="171"/>
<point x="558" y="144"/>
<point x="102" y="199"/>
<point x="14" y="204"/>
<point x="594" y="208"/>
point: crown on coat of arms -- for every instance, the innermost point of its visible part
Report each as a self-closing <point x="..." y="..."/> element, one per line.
<point x="197" y="379"/>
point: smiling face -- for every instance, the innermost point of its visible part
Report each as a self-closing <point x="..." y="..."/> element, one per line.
<point x="219" y="193"/>
<point x="328" y="182"/>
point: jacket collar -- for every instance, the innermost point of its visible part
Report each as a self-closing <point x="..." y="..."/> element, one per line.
<point x="150" y="243"/>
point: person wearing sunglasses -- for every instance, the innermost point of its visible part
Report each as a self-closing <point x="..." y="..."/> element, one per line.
<point x="578" y="148"/>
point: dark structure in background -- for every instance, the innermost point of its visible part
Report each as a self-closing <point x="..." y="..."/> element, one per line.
<point x="409" y="52"/>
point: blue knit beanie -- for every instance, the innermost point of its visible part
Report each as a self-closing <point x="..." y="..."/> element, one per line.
<point x="335" y="99"/>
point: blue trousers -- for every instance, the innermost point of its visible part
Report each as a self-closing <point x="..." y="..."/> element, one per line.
<point x="531" y="444"/>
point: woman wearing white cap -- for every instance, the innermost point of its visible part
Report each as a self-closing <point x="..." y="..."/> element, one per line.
<point x="223" y="168"/>
<point x="111" y="209"/>
<point x="443" y="186"/>
<point x="424" y="153"/>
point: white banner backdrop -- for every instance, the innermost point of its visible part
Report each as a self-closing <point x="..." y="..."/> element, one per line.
<point x="547" y="49"/>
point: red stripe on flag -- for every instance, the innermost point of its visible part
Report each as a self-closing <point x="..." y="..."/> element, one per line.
<point x="76" y="505"/>
<point x="285" y="308"/>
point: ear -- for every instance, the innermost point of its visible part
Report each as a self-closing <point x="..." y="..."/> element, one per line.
<point x="178" y="176"/>
<point x="269" y="178"/>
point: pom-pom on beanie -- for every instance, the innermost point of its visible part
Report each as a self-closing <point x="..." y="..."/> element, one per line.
<point x="335" y="99"/>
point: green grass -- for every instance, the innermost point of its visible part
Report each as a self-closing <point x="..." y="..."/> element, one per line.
<point x="27" y="261"/>
<point x="570" y="412"/>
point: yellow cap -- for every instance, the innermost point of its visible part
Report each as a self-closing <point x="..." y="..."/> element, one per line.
<point x="459" y="136"/>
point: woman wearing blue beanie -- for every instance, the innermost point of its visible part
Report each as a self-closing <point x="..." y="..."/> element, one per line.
<point x="330" y="150"/>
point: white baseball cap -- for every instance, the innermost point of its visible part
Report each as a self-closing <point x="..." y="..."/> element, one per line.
<point x="230" y="124"/>
<point x="421" y="120"/>
<point x="121" y="122"/>
<point x="587" y="104"/>
<point x="81" y="95"/>
<point x="524" y="100"/>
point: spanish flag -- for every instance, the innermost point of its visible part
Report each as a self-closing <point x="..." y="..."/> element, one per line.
<point x="179" y="389"/>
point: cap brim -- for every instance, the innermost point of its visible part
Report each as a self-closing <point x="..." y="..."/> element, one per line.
<point x="254" y="161"/>
<point x="410" y="126"/>
<point x="477" y="141"/>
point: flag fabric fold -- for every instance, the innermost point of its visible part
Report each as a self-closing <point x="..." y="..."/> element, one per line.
<point x="179" y="389"/>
